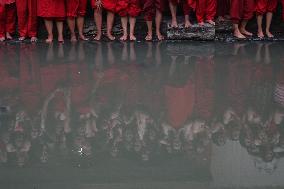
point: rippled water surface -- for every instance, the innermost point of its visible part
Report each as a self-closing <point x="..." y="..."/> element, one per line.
<point x="142" y="115"/>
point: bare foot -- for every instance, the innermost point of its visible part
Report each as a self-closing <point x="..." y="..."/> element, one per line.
<point x="149" y="37"/>
<point x="260" y="34"/>
<point x="187" y="24"/>
<point x="60" y="39"/>
<point x="110" y="37"/>
<point x="123" y="38"/>
<point x="269" y="34"/>
<point x="239" y="35"/>
<point x="22" y="38"/>
<point x="8" y="36"/>
<point x="221" y="19"/>
<point x="73" y="38"/>
<point x="83" y="38"/>
<point x="211" y="22"/>
<point x="33" y="39"/>
<point x="49" y="39"/>
<point x="132" y="37"/>
<point x="201" y="24"/>
<point x="2" y="39"/>
<point x="174" y="24"/>
<point x="245" y="32"/>
<point x="160" y="36"/>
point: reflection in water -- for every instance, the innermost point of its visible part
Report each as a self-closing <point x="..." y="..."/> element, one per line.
<point x="146" y="102"/>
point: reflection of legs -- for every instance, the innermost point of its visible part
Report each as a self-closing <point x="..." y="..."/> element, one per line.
<point x="110" y="19"/>
<point x="132" y="53"/>
<point x="132" y="21"/>
<point x="110" y="55"/>
<point x="98" y="21"/>
<point x="173" y="8"/>
<point x="49" y="28"/>
<point x="59" y="25"/>
<point x="124" y="22"/>
<point x="269" y="16"/>
<point x="267" y="57"/>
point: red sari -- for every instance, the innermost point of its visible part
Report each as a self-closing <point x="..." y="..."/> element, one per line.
<point x="242" y="10"/>
<point x="150" y="6"/>
<point x="205" y="9"/>
<point x="76" y="8"/>
<point x="128" y="8"/>
<point x="7" y="17"/>
<point x="264" y="6"/>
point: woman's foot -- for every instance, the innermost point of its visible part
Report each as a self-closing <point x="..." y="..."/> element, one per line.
<point x="8" y="36"/>
<point x="22" y="38"/>
<point x="220" y="19"/>
<point x="149" y="37"/>
<point x="245" y="32"/>
<point x="33" y="39"/>
<point x="60" y="39"/>
<point x="260" y="34"/>
<point x="132" y="37"/>
<point x="73" y="38"/>
<point x="123" y="38"/>
<point x="269" y="34"/>
<point x="110" y="37"/>
<point x="83" y="38"/>
<point x="239" y="35"/>
<point x="187" y="24"/>
<point x="2" y="39"/>
<point x="98" y="37"/>
<point x="174" y="24"/>
<point x="160" y="36"/>
<point x="49" y="39"/>
<point x="201" y="24"/>
<point x="211" y="22"/>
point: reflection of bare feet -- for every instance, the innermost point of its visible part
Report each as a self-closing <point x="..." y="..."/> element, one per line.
<point x="2" y="39"/>
<point x="211" y="22"/>
<point x="160" y="36"/>
<point x="239" y="35"/>
<point x="201" y="24"/>
<point x="83" y="38"/>
<point x="22" y="38"/>
<point x="49" y="39"/>
<point x="123" y="38"/>
<point x="33" y="39"/>
<point x="8" y="36"/>
<point x="260" y="34"/>
<point x="73" y="38"/>
<point x="132" y="37"/>
<point x="110" y="36"/>
<point x="245" y="32"/>
<point x="149" y="37"/>
<point x="174" y="24"/>
<point x="269" y="34"/>
<point x="187" y="24"/>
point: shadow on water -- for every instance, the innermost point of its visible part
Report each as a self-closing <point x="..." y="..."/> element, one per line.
<point x="141" y="115"/>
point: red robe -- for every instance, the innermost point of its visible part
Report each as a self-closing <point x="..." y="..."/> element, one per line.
<point x="150" y="6"/>
<point x="27" y="17"/>
<point x="205" y="9"/>
<point x="76" y="8"/>
<point x="51" y="9"/>
<point x="241" y="10"/>
<point x="264" y="6"/>
<point x="223" y="7"/>
<point x="185" y="6"/>
<point x="7" y="17"/>
<point x="128" y="8"/>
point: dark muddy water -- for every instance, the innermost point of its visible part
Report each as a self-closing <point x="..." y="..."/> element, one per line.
<point x="142" y="115"/>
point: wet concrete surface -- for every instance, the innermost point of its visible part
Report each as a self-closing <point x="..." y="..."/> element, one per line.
<point x="142" y="115"/>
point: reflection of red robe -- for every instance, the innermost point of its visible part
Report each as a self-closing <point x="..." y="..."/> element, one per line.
<point x="264" y="6"/>
<point x="223" y="7"/>
<point x="242" y="10"/>
<point x="150" y="6"/>
<point x="52" y="9"/>
<point x="205" y="86"/>
<point x="29" y="79"/>
<point x="179" y="103"/>
<point x="7" y="17"/>
<point x="205" y="9"/>
<point x="76" y="8"/>
<point x="27" y="17"/>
